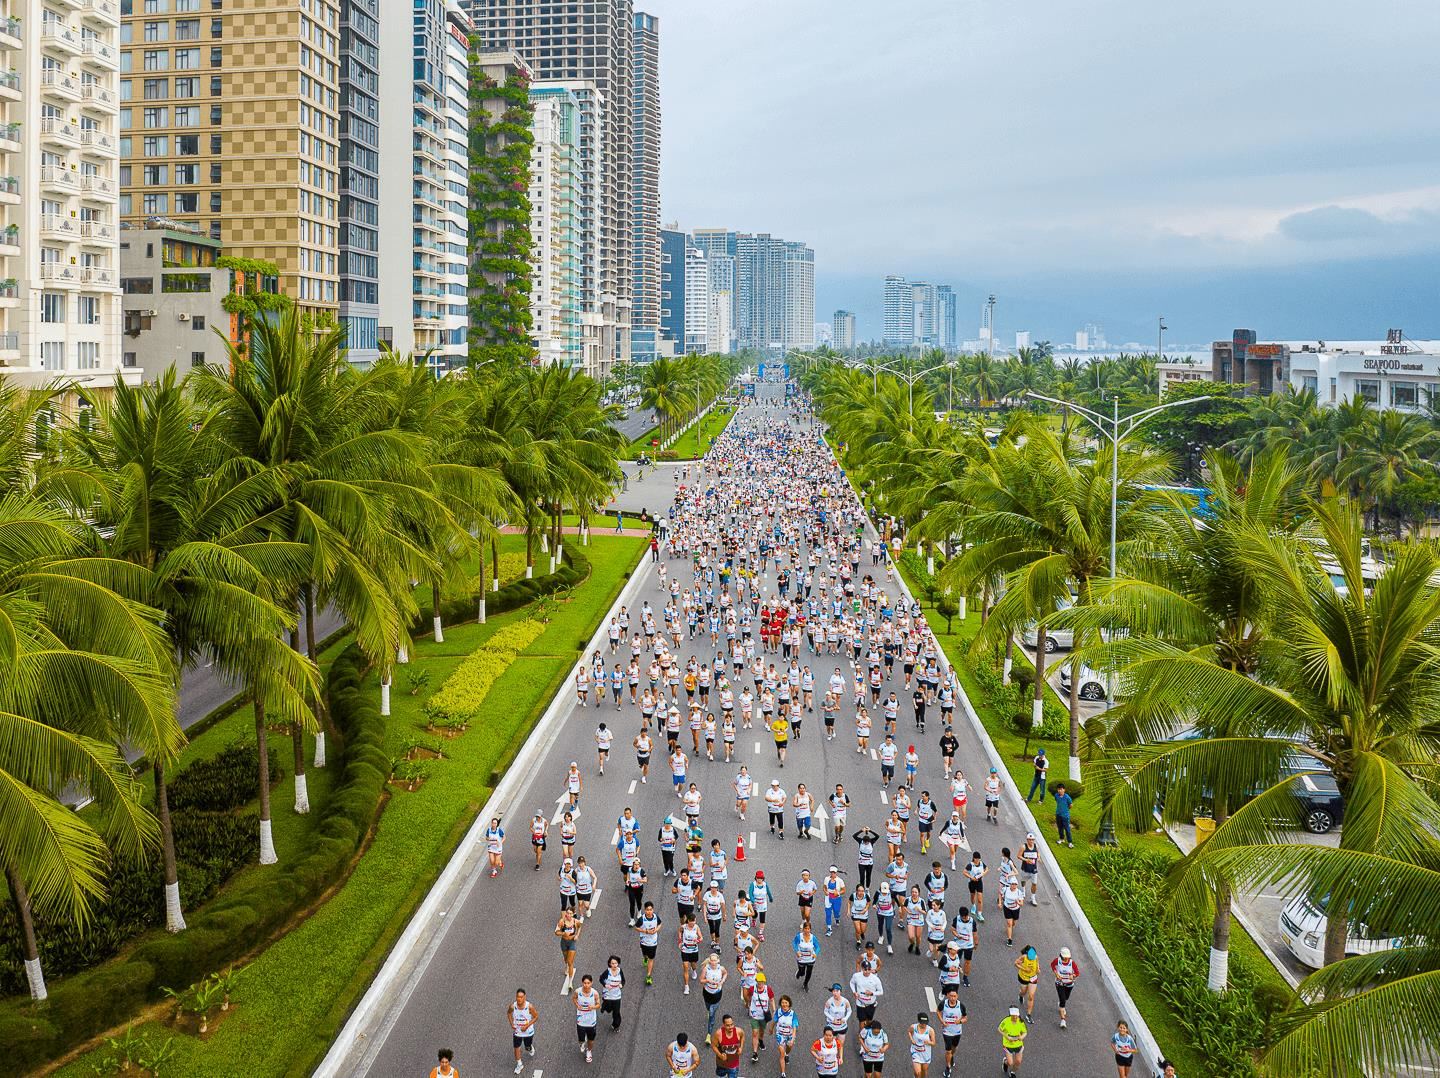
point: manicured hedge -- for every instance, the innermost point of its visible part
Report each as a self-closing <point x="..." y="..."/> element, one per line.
<point x="87" y="1004"/>
<point x="463" y="694"/>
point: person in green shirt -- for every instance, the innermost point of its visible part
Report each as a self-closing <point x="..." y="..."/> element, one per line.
<point x="1012" y="1039"/>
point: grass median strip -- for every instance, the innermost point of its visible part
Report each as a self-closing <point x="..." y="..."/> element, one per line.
<point x="291" y="1000"/>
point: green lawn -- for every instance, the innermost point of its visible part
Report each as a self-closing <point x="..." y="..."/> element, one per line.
<point x="689" y="446"/>
<point x="642" y="444"/>
<point x="1074" y="863"/>
<point x="294" y="997"/>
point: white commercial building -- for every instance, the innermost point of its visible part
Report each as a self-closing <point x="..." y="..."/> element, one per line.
<point x="697" y="301"/>
<point x="59" y="160"/>
<point x="1401" y="374"/>
<point x="554" y="229"/>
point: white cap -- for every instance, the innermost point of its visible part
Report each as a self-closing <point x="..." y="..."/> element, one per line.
<point x="1014" y="1012"/>
<point x="1029" y="835"/>
<point x="834" y="868"/>
<point x="774" y="782"/>
<point x="1065" y="953"/>
<point x="574" y="764"/>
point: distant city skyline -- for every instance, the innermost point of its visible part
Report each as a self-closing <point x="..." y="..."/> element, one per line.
<point x="1213" y="200"/>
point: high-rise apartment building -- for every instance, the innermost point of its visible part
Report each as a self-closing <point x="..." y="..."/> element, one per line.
<point x="564" y="42"/>
<point x="59" y="141"/>
<point x="645" y="188"/>
<point x="360" y="178"/>
<point x="842" y="331"/>
<point x="721" y="271"/>
<point x="230" y="121"/>
<point x="946" y="331"/>
<point x="554" y="228"/>
<point x="424" y="154"/>
<point x="697" y="300"/>
<point x="774" y="288"/>
<point x="898" y="326"/>
<point x="673" y="245"/>
<point x="798" y="297"/>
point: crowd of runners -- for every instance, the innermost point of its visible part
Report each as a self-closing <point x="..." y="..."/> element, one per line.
<point x="787" y="611"/>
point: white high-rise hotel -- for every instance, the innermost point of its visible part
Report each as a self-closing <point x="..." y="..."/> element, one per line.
<point x="59" y="151"/>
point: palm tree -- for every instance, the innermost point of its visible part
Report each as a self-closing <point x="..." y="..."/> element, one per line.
<point x="1190" y="599"/>
<point x="663" y="388"/>
<point x="22" y="424"/>
<point x="1395" y="447"/>
<point x="150" y="475"/>
<point x="1041" y="520"/>
<point x="81" y="664"/>
<point x="1290" y="419"/>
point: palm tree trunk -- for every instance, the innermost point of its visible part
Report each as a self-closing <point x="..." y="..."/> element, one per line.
<point x="435" y="612"/>
<point x="1037" y="704"/>
<point x="321" y="715"/>
<point x="494" y="564"/>
<point x="1009" y="659"/>
<point x="262" y="740"/>
<point x="1074" y="720"/>
<point x="529" y="548"/>
<point x="481" y="562"/>
<point x="297" y="741"/>
<point x="34" y="975"/>
<point x="174" y="917"/>
<point x="1219" y="978"/>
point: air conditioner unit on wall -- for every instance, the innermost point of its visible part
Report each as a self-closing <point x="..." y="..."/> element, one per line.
<point x="183" y="316"/>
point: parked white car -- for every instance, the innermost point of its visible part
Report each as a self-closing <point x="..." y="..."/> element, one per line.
<point x="1302" y="927"/>
<point x="1055" y="639"/>
<point x="1092" y="683"/>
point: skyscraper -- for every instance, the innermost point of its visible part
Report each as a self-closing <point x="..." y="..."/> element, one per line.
<point x="697" y="300"/>
<point x="59" y="272"/>
<point x="645" y="190"/>
<point x="842" y="331"/>
<point x="673" y="245"/>
<point x="562" y="42"/>
<point x="236" y="130"/>
<point x="424" y="232"/>
<point x="946" y="333"/>
<point x="721" y="270"/>
<point x="360" y="177"/>
<point x="899" y="321"/>
<point x="554" y="228"/>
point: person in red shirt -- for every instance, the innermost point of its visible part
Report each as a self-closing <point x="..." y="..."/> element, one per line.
<point x="727" y="1044"/>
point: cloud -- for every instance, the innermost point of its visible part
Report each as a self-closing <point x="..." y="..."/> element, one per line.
<point x="1328" y="224"/>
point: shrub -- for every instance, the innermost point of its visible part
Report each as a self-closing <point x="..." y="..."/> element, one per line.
<point x="464" y="691"/>
<point x="1075" y="789"/>
<point x="225" y="781"/>
<point x="1226" y="1028"/>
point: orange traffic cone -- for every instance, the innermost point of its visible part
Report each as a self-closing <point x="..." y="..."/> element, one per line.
<point x="739" y="847"/>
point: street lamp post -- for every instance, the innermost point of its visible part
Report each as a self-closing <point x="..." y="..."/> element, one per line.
<point x="909" y="378"/>
<point x="1117" y="430"/>
<point x="1160" y="358"/>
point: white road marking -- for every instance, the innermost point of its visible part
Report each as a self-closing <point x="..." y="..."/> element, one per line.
<point x="615" y="838"/>
<point x="632" y="785"/>
<point x="821" y="817"/>
<point x="930" y="996"/>
<point x="757" y="748"/>
<point x="752" y="840"/>
<point x="884" y="798"/>
<point x="873" y="755"/>
<point x="595" y="898"/>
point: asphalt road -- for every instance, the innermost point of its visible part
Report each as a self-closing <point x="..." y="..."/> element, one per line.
<point x="640" y="420"/>
<point x="498" y="934"/>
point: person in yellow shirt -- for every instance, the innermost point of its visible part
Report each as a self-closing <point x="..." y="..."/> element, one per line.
<point x="1027" y="966"/>
<point x="780" y="727"/>
<point x="1013" y="1031"/>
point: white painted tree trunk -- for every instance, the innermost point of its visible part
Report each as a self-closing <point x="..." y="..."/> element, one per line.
<point x="174" y="916"/>
<point x="559" y="556"/>
<point x="529" y="572"/>
<point x="495" y="584"/>
<point x="1005" y="670"/>
<point x="552" y="563"/>
<point x="585" y="537"/>
<point x="385" y="696"/>
<point x="35" y="976"/>
<point x="403" y="655"/>
<point x="930" y="564"/>
<point x="1037" y="713"/>
<point x="319" y="749"/>
<point x="1074" y="769"/>
<point x="1219" y="978"/>
<point x="439" y="632"/>
<point x="964" y="606"/>
<point x="267" y="844"/>
<point x="544" y="543"/>
<point x="302" y="795"/>
<point x="482" y="610"/>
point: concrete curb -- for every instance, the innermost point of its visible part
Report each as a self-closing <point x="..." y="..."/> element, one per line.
<point x="1147" y="1050"/>
<point x="351" y="1053"/>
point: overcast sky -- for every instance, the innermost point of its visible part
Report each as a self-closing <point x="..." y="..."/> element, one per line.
<point x="1013" y="141"/>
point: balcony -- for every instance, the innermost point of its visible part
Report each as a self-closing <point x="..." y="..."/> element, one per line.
<point x="9" y="138"/>
<point x="10" y="190"/>
<point x="96" y="275"/>
<point x="10" y="241"/>
<point x="100" y="53"/>
<point x="99" y="96"/>
<point x="56" y="35"/>
<point x="97" y="143"/>
<point x="9" y="346"/>
<point x="10" y="33"/>
<point x="57" y="132"/>
<point x="105" y="11"/>
<point x="9" y="86"/>
<point x="54" y="226"/>
<point x="59" y="85"/>
<point x="9" y="292"/>
<point x="59" y="274"/>
<point x="57" y="178"/>
<point x="71" y="3"/>
<point x="96" y="234"/>
<point x="97" y="188"/>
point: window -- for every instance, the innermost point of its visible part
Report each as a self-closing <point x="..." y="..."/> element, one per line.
<point x="125" y="150"/>
<point x="197" y="321"/>
<point x="217" y="56"/>
<point x="129" y="359"/>
<point x="187" y="116"/>
<point x="156" y="145"/>
<point x="187" y="30"/>
<point x="125" y="123"/>
<point x="1404" y="395"/>
<point x="158" y="116"/>
<point x="187" y="145"/>
<point x="187" y="59"/>
<point x="157" y="89"/>
<point x="154" y="204"/>
<point x="125" y="176"/>
<point x="215" y="143"/>
<point x="125" y="204"/>
<point x="217" y="27"/>
<point x="1332" y="391"/>
<point x="1310" y="382"/>
<point x="1367" y="390"/>
<point x="155" y="175"/>
<point x="89" y="314"/>
<point x="52" y="358"/>
<point x="214" y="201"/>
<point x="186" y="174"/>
<point x="215" y="86"/>
<point x="127" y="90"/>
<point x="216" y="113"/>
<point x="156" y="7"/>
<point x="137" y="286"/>
<point x="215" y="172"/>
<point x="187" y="87"/>
<point x="156" y="31"/>
<point x="187" y="6"/>
<point x="187" y="202"/>
<point x="185" y="282"/>
<point x="197" y="359"/>
<point x="87" y="355"/>
<point x="156" y="60"/>
<point x="52" y="307"/>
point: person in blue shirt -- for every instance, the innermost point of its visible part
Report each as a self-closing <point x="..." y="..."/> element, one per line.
<point x="806" y="946"/>
<point x="1063" y="801"/>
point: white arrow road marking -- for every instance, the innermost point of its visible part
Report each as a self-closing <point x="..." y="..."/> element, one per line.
<point x="821" y="817"/>
<point x="615" y="838"/>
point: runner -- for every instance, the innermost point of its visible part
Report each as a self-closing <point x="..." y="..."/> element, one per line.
<point x="539" y="828"/>
<point x="1122" y="1041"/>
<point x="644" y="745"/>
<point x="604" y="739"/>
<point x="744" y="790"/>
<point x="1067" y="972"/>
<point x="495" y="846"/>
<point x="1012" y="900"/>
<point x="524" y="1019"/>
<point x="587" y="1013"/>
<point x="574" y="783"/>
<point x="585" y="883"/>
<point x="727" y="1044"/>
<point x="951" y="1013"/>
<point x="688" y="940"/>
<point x="648" y="928"/>
<point x="804" y="808"/>
<point x="713" y="976"/>
<point x="760" y="1005"/>
<point x="964" y="927"/>
<point x="612" y="984"/>
<point x="807" y="950"/>
<point x="1027" y="967"/>
<point x="839" y="804"/>
<point x="775" y="801"/>
<point x="681" y="1057"/>
<point x="1013" y="1032"/>
<point x="828" y="1053"/>
<point x="953" y="835"/>
<point x="975" y="873"/>
<point x="885" y="917"/>
<point x="567" y="929"/>
<point x="787" y="1028"/>
<point x="922" y="1045"/>
<point x="874" y="1043"/>
<point x="834" y="888"/>
<point x="443" y="1068"/>
<point x="993" y="786"/>
<point x="1030" y="866"/>
<point x="805" y="890"/>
